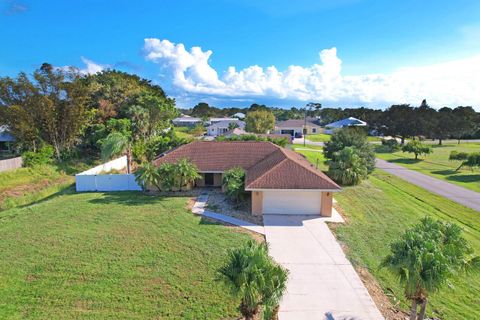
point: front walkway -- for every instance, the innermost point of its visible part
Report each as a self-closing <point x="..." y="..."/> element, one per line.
<point x="322" y="282"/>
<point x="463" y="196"/>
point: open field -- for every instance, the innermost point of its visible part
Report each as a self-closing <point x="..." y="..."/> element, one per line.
<point x="437" y="164"/>
<point x="378" y="211"/>
<point x="116" y="255"/>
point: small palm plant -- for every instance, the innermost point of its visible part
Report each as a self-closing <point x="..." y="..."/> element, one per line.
<point x="186" y="172"/>
<point x="148" y="174"/>
<point x="117" y="143"/>
<point x="426" y="257"/>
<point x="255" y="278"/>
<point x="347" y="167"/>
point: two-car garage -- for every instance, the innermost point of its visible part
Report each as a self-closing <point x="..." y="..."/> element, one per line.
<point x="292" y="202"/>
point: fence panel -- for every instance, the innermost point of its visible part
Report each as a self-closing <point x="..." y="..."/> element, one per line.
<point x="10" y="164"/>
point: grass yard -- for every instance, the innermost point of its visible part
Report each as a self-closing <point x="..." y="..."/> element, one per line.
<point x="379" y="210"/>
<point x="115" y="256"/>
<point x="320" y="137"/>
<point x="314" y="154"/>
<point x="437" y="164"/>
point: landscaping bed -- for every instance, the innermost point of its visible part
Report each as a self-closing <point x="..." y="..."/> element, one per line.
<point x="219" y="203"/>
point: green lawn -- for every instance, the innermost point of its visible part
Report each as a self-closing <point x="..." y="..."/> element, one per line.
<point x="320" y="137"/>
<point x="379" y="210"/>
<point x="314" y="154"/>
<point x="437" y="164"/>
<point x="115" y="256"/>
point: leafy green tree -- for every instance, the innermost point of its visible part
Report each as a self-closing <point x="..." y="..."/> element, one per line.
<point x="347" y="167"/>
<point x="351" y="137"/>
<point x="426" y="257"/>
<point x="399" y="120"/>
<point x="470" y="160"/>
<point x="255" y="278"/>
<point x="260" y="121"/>
<point x="116" y="144"/>
<point x="186" y="172"/>
<point x="148" y="174"/>
<point x="442" y="130"/>
<point x="417" y="148"/>
<point x="234" y="183"/>
<point x="51" y="107"/>
<point x="43" y="155"/>
<point x="464" y="122"/>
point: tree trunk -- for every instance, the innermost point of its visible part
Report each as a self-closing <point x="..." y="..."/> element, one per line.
<point x="413" y="310"/>
<point x="440" y="141"/>
<point x="403" y="140"/>
<point x="275" y="312"/>
<point x="423" y="309"/>
<point x="416" y="156"/>
<point x="129" y="161"/>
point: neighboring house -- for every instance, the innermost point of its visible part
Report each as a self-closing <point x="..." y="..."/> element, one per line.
<point x="222" y="127"/>
<point x="187" y="121"/>
<point x="217" y="120"/>
<point x="239" y="115"/>
<point x="5" y="138"/>
<point x="297" y="128"/>
<point x="279" y="180"/>
<point x="348" y="122"/>
<point x="235" y="132"/>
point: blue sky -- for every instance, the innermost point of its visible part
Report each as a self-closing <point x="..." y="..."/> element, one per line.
<point x="375" y="52"/>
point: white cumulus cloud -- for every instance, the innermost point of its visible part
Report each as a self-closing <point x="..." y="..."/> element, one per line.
<point x="92" y="67"/>
<point x="450" y="83"/>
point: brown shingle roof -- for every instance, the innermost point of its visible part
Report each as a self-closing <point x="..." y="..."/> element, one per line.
<point x="267" y="166"/>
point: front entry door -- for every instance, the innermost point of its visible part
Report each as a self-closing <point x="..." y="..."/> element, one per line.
<point x="209" y="179"/>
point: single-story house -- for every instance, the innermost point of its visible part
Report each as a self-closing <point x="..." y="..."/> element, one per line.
<point x="221" y="127"/>
<point x="239" y="115"/>
<point x="280" y="181"/>
<point x="348" y="122"/>
<point x="297" y="127"/>
<point x="235" y="132"/>
<point x="217" y="120"/>
<point x="187" y="121"/>
<point x="5" y="138"/>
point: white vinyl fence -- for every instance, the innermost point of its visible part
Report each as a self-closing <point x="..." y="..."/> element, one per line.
<point x="10" y="164"/>
<point x="94" y="180"/>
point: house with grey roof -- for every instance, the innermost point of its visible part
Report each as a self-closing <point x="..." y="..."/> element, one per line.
<point x="298" y="127"/>
<point x="344" y="123"/>
<point x="222" y="127"/>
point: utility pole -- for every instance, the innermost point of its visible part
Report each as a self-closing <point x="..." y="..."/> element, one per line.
<point x="309" y="106"/>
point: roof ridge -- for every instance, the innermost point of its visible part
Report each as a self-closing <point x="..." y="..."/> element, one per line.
<point x="269" y="169"/>
<point x="307" y="165"/>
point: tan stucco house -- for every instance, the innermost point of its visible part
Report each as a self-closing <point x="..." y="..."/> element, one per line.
<point x="280" y="181"/>
<point x="297" y="127"/>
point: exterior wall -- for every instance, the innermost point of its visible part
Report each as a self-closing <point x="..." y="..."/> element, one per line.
<point x="300" y="130"/>
<point x="257" y="203"/>
<point x="327" y="202"/>
<point x="217" y="180"/>
<point x="10" y="164"/>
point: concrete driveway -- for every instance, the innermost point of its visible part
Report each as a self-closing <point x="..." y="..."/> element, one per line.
<point x="322" y="282"/>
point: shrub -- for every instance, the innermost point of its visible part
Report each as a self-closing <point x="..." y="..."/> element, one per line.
<point x="351" y="137"/>
<point x="148" y="174"/>
<point x="185" y="172"/>
<point x="459" y="156"/>
<point x="234" y="184"/>
<point x="391" y="144"/>
<point x="282" y="142"/>
<point x="42" y="156"/>
<point x="347" y="167"/>
<point x="417" y="148"/>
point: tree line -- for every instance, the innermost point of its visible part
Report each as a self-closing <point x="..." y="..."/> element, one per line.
<point x="401" y="120"/>
<point x="74" y="113"/>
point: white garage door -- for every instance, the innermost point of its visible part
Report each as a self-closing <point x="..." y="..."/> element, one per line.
<point x="292" y="202"/>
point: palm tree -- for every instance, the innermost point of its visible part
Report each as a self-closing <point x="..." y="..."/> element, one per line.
<point x="148" y="174"/>
<point x="166" y="172"/>
<point x="255" y="278"/>
<point x="347" y="167"/>
<point x="117" y="143"/>
<point x="426" y="257"/>
<point x="186" y="172"/>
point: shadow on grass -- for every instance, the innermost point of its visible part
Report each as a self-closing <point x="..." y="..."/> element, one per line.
<point x="406" y="161"/>
<point x="69" y="189"/>
<point x="465" y="178"/>
<point x="128" y="198"/>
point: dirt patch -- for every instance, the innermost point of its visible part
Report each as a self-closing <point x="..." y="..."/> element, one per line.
<point x="218" y="202"/>
<point x="383" y="303"/>
<point x="22" y="190"/>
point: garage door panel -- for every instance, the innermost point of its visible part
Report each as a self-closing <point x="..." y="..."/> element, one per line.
<point x="291" y="202"/>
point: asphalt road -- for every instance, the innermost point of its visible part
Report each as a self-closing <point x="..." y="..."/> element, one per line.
<point x="463" y="196"/>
